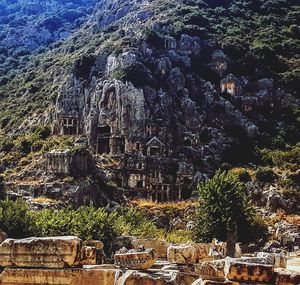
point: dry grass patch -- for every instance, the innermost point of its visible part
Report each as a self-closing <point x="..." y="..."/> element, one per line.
<point x="45" y="200"/>
<point x="180" y="205"/>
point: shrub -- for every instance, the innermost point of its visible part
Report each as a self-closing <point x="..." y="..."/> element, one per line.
<point x="154" y="38"/>
<point x="42" y="132"/>
<point x="265" y="174"/>
<point x="6" y="144"/>
<point x="14" y="218"/>
<point x="85" y="222"/>
<point x="24" y="143"/>
<point x="223" y="203"/>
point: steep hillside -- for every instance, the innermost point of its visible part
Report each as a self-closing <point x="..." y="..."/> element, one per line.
<point x="163" y="94"/>
<point x="30" y="26"/>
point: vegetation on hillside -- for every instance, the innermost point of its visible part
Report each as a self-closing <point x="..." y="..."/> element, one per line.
<point x="223" y="205"/>
<point x="18" y="221"/>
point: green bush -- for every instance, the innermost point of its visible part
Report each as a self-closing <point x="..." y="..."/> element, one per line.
<point x="2" y="189"/>
<point x="85" y="222"/>
<point x="14" y="218"/>
<point x="223" y="203"/>
<point x="265" y="174"/>
<point x="41" y="132"/>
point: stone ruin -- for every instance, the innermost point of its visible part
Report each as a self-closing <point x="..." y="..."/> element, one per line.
<point x="67" y="162"/>
<point x="66" y="260"/>
<point x="232" y="85"/>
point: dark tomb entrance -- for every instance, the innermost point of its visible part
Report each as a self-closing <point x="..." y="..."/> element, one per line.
<point x="103" y="140"/>
<point x="120" y="145"/>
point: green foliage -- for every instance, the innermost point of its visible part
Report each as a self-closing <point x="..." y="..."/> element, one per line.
<point x="265" y="174"/>
<point x="285" y="158"/>
<point x="136" y="73"/>
<point x="86" y="222"/>
<point x="222" y="203"/>
<point x="2" y="188"/>
<point x="41" y="132"/>
<point x="134" y="222"/>
<point x="14" y="218"/>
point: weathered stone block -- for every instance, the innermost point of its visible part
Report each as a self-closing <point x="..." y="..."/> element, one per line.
<point x="278" y="260"/>
<point x="50" y="252"/>
<point x="182" y="254"/>
<point x="212" y="270"/>
<point x="139" y="278"/>
<point x="241" y="271"/>
<point x="3" y="236"/>
<point x="136" y="260"/>
<point x="160" y="246"/>
<point x="43" y="276"/>
<point x="287" y="277"/>
<point x="202" y="250"/>
<point x="211" y="282"/>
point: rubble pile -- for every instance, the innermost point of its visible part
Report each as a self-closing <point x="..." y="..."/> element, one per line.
<point x="67" y="260"/>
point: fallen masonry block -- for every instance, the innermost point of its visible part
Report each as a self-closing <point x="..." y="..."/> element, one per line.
<point x="182" y="254"/>
<point x="202" y="251"/>
<point x="278" y="260"/>
<point x="142" y="278"/>
<point x="136" y="260"/>
<point x="58" y="252"/>
<point x="287" y="277"/>
<point x="242" y="271"/>
<point x="67" y="276"/>
<point x="160" y="246"/>
<point x="212" y="270"/>
<point x="211" y="282"/>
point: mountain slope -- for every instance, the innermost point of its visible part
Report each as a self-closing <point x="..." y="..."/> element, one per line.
<point x="160" y="74"/>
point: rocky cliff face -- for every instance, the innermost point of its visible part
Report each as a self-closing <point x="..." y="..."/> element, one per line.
<point x="150" y="106"/>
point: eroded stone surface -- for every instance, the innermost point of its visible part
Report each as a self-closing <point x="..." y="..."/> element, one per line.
<point x="242" y="271"/>
<point x="182" y="254"/>
<point x="135" y="260"/>
<point x="287" y="277"/>
<point x="278" y="260"/>
<point x="212" y="270"/>
<point x="49" y="252"/>
<point x="21" y="276"/>
<point x="3" y="236"/>
<point x="211" y="282"/>
<point x="160" y="246"/>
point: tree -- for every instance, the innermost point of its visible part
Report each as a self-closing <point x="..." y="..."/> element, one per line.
<point x="2" y="189"/>
<point x="225" y="211"/>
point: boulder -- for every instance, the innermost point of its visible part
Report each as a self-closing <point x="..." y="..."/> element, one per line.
<point x="160" y="246"/>
<point x="49" y="252"/>
<point x="182" y="254"/>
